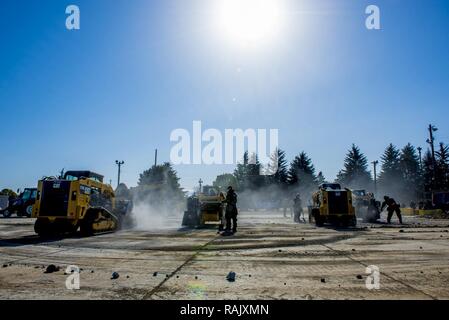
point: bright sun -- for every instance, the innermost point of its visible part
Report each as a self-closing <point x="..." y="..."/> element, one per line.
<point x="249" y="22"/>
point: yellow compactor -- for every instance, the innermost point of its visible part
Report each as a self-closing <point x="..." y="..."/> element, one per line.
<point x="204" y="208"/>
<point x="332" y="204"/>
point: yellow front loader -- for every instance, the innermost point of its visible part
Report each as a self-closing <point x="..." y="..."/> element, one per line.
<point x="78" y="200"/>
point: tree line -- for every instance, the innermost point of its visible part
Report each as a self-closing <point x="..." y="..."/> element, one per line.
<point x="402" y="173"/>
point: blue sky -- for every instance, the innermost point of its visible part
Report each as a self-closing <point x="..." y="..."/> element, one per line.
<point x="136" y="70"/>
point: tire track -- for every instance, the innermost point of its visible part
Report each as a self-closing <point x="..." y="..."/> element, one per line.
<point x="347" y="255"/>
<point x="149" y="294"/>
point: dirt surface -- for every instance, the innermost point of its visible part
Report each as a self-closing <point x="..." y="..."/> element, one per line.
<point x="272" y="257"/>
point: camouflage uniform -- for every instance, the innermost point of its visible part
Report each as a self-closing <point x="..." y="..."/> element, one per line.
<point x="392" y="207"/>
<point x="231" y="210"/>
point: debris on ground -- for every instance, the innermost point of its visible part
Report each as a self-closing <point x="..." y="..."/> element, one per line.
<point x="401" y="230"/>
<point x="323" y="280"/>
<point x="231" y="276"/>
<point x="155" y="274"/>
<point x="51" y="268"/>
<point x="114" y="275"/>
<point x="5" y="265"/>
<point x="359" y="277"/>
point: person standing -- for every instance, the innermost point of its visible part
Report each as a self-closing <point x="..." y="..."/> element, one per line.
<point x="231" y="210"/>
<point x="297" y="208"/>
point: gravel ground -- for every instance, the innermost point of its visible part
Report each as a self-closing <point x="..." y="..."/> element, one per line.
<point x="273" y="258"/>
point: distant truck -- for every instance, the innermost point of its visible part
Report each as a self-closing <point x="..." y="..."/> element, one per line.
<point x="4" y="200"/>
<point x="332" y="204"/>
<point x="22" y="206"/>
<point x="440" y="200"/>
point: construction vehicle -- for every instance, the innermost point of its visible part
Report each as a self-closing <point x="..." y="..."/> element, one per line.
<point x="22" y="206"/>
<point x="332" y="204"/>
<point x="366" y="206"/>
<point x="205" y="207"/>
<point x="79" y="199"/>
<point x="360" y="199"/>
<point x="440" y="200"/>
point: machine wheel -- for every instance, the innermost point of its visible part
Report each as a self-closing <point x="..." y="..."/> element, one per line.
<point x="42" y="227"/>
<point x="353" y="221"/>
<point x="6" y="213"/>
<point x="29" y="211"/>
<point x="191" y="219"/>
<point x="86" y="225"/>
<point x="318" y="219"/>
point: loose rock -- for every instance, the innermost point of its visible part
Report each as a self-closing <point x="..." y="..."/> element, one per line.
<point x="114" y="275"/>
<point x="231" y="276"/>
<point x="51" y="268"/>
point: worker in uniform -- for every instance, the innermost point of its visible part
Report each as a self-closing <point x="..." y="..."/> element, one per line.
<point x="231" y="210"/>
<point x="392" y="207"/>
<point x="297" y="208"/>
<point x="221" y="214"/>
<point x="373" y="209"/>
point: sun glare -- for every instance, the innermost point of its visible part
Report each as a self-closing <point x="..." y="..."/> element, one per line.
<point x="249" y="22"/>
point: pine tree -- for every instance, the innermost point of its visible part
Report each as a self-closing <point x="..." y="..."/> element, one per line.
<point x="240" y="172"/>
<point x="355" y="173"/>
<point x="409" y="165"/>
<point x="320" y="179"/>
<point x="248" y="173"/>
<point x="277" y="171"/>
<point x="427" y="171"/>
<point x="390" y="178"/>
<point x="255" y="179"/>
<point x="159" y="184"/>
<point x="302" y="172"/>
<point x="223" y="181"/>
<point x="442" y="163"/>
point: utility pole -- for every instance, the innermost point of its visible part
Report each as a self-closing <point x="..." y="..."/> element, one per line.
<point x="119" y="164"/>
<point x="420" y="157"/>
<point x="155" y="157"/>
<point x="375" y="163"/>
<point x="201" y="184"/>
<point x="431" y="141"/>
